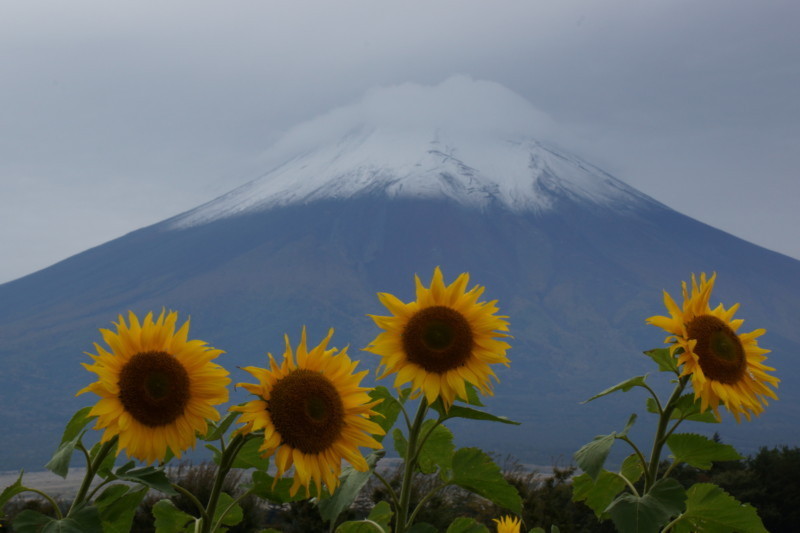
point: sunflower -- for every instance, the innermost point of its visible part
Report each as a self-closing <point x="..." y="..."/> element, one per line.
<point x="725" y="366"/>
<point x="313" y="413"/>
<point x="442" y="340"/>
<point x="156" y="387"/>
<point x="508" y="524"/>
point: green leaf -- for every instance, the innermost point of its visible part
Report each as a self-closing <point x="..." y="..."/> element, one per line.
<point x="625" y="386"/>
<point x="360" y="526"/>
<point x="381" y="514"/>
<point x="59" y="463"/>
<point x="233" y="516"/>
<point x="85" y="520"/>
<point x="709" y="508"/>
<point x="699" y="451"/>
<point x="437" y="450"/>
<point x="475" y="471"/>
<point x="459" y="411"/>
<point x="351" y="483"/>
<point x="117" y="507"/>
<point x="377" y="521"/>
<point x="422" y="527"/>
<point x="466" y="525"/>
<point x="149" y="476"/>
<point x="646" y="514"/>
<point x="632" y="468"/>
<point x="592" y="456"/>
<point x="597" y="493"/>
<point x="473" y="397"/>
<point x="76" y="424"/>
<point x="400" y="443"/>
<point x="216" y="431"/>
<point x="11" y="491"/>
<point x="170" y="519"/>
<point x="686" y="408"/>
<point x="263" y="488"/>
<point x="628" y="426"/>
<point x="249" y="456"/>
<point x="389" y="408"/>
<point x="665" y="361"/>
<point x="105" y="468"/>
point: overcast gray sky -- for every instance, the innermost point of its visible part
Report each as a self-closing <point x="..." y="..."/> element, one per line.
<point x="116" y="115"/>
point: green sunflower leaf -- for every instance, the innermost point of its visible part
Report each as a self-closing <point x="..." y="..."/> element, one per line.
<point x="632" y="468"/>
<point x="597" y="493"/>
<point x="12" y="490"/>
<point x="351" y="483"/>
<point x="85" y="520"/>
<point x="592" y="456"/>
<point x="686" y="408"/>
<point x="249" y="455"/>
<point x="117" y="507"/>
<point x="466" y="525"/>
<point x="377" y="521"/>
<point x="475" y="471"/>
<point x="170" y="519"/>
<point x="625" y="386"/>
<point x="437" y="450"/>
<point x="149" y="476"/>
<point x="460" y="411"/>
<point x="389" y="408"/>
<point x="216" y="431"/>
<point x="59" y="463"/>
<point x="709" y="508"/>
<point x="422" y="527"/>
<point x="400" y="443"/>
<point x="473" y="397"/>
<point x="665" y="361"/>
<point x="699" y="451"/>
<point x="233" y="516"/>
<point x="263" y="488"/>
<point x="647" y="514"/>
<point x="105" y="468"/>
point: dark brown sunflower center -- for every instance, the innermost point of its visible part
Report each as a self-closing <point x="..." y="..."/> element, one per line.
<point x="719" y="350"/>
<point x="154" y="388"/>
<point x="438" y="339"/>
<point x="307" y="411"/>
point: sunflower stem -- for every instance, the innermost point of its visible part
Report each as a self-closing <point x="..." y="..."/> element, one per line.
<point x="423" y="501"/>
<point x="409" y="467"/>
<point x="192" y="498"/>
<point x="661" y="434"/>
<point x="49" y="498"/>
<point x="91" y="469"/>
<point x="225" y="465"/>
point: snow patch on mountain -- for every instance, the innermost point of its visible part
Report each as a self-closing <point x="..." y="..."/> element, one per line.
<point x="474" y="142"/>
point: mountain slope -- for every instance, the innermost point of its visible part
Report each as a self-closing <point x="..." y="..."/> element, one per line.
<point x="577" y="266"/>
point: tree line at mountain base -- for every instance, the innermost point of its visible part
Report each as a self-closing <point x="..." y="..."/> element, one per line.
<point x="769" y="480"/>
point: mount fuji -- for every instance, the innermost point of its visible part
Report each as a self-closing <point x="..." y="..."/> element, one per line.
<point x="459" y="175"/>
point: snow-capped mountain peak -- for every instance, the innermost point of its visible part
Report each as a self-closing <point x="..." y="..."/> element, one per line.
<point x="474" y="142"/>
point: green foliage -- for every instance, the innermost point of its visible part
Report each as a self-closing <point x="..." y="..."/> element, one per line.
<point x="686" y="408"/>
<point x="85" y="520"/>
<point x="625" y="386"/>
<point x="351" y="483"/>
<point x="592" y="456"/>
<point x="632" y="513"/>
<point x="437" y="450"/>
<point x="59" y="463"/>
<point x="474" y="470"/>
<point x="117" y="507"/>
<point x="466" y="525"/>
<point x="699" y="451"/>
<point x="389" y="409"/>
<point x="169" y="518"/>
<point x="665" y="361"/>
<point x="149" y="476"/>
<point x="709" y="508"/>
<point x="378" y="521"/>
